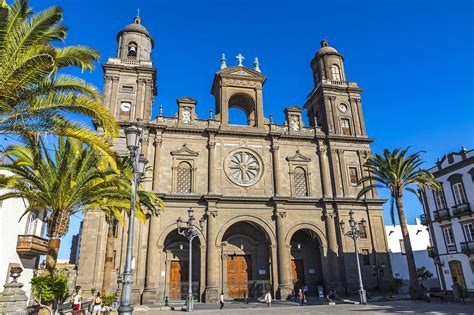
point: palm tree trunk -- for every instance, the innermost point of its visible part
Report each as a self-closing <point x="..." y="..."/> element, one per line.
<point x="109" y="263"/>
<point x="53" y="250"/>
<point x="414" y="287"/>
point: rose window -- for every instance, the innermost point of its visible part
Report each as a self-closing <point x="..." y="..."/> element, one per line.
<point x="244" y="168"/>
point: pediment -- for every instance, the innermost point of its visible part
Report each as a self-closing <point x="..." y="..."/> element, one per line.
<point x="298" y="157"/>
<point x="240" y="72"/>
<point x="184" y="151"/>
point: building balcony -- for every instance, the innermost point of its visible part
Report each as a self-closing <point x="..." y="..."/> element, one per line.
<point x="462" y="209"/>
<point x="29" y="246"/>
<point x="451" y="248"/>
<point x="441" y="215"/>
<point x="467" y="247"/>
<point x="424" y="219"/>
<point x="431" y="251"/>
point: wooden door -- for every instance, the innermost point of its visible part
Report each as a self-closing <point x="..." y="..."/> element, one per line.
<point x="457" y="274"/>
<point x="297" y="273"/>
<point x="178" y="277"/>
<point x="239" y="272"/>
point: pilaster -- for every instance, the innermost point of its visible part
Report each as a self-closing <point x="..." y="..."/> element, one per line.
<point x="325" y="177"/>
<point x="284" y="276"/>
<point x="211" y="294"/>
<point x="276" y="168"/>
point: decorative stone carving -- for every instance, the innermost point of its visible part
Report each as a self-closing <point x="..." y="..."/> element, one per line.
<point x="295" y="123"/>
<point x="243" y="167"/>
<point x="186" y="115"/>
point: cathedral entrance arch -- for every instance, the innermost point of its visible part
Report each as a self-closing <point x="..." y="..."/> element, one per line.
<point x="176" y="253"/>
<point x="306" y="261"/>
<point x="246" y="263"/>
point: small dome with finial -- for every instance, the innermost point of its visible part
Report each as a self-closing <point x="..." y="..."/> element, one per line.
<point x="136" y="27"/>
<point x="326" y="50"/>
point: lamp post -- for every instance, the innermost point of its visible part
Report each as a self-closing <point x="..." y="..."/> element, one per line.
<point x="354" y="233"/>
<point x="133" y="135"/>
<point x="188" y="230"/>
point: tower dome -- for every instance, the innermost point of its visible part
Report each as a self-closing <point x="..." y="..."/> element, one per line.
<point x="135" y="42"/>
<point x="136" y="27"/>
<point x="326" y="50"/>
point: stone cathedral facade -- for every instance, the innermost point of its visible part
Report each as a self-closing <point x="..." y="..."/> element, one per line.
<point x="272" y="194"/>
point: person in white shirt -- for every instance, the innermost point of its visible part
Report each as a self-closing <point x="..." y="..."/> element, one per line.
<point x="77" y="301"/>
<point x="221" y="300"/>
<point x="268" y="299"/>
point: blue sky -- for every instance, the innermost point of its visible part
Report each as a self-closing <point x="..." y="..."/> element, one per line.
<point x="412" y="58"/>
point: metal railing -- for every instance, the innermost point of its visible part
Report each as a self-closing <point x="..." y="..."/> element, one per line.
<point x="258" y="288"/>
<point x="452" y="248"/>
<point x="183" y="289"/>
<point x="442" y="214"/>
<point x="431" y="251"/>
<point x="467" y="247"/>
<point x="462" y="209"/>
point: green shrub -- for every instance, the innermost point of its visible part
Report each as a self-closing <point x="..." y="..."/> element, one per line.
<point x="396" y="284"/>
<point x="50" y="287"/>
<point x="108" y="299"/>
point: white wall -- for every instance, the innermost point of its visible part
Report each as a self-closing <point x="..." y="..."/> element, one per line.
<point x="455" y="223"/>
<point x="420" y="240"/>
<point x="10" y="227"/>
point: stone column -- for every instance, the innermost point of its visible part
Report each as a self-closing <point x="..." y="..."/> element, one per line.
<point x="212" y="273"/>
<point x="325" y="177"/>
<point x="114" y="107"/>
<point x="345" y="180"/>
<point x="211" y="145"/>
<point x="284" y="277"/>
<point x="276" y="169"/>
<point x="337" y="173"/>
<point x="355" y="117"/>
<point x="357" y="102"/>
<point x="152" y="259"/>
<point x="329" y="217"/>
<point x="362" y="154"/>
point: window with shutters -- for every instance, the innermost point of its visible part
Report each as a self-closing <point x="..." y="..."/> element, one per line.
<point x="353" y="177"/>
<point x="468" y="231"/>
<point x="300" y="182"/>
<point x="184" y="178"/>
<point x="336" y="72"/>
<point x="345" y="127"/>
<point x="459" y="194"/>
<point x="439" y="199"/>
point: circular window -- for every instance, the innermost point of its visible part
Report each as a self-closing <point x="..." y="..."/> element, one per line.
<point x="243" y="167"/>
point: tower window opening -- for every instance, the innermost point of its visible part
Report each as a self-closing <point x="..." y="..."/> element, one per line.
<point x="132" y="50"/>
<point x="346" y="127"/>
<point x="336" y="72"/>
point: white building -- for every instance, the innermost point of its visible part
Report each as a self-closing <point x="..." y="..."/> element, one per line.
<point x="21" y="242"/>
<point x="449" y="213"/>
<point x="420" y="241"/>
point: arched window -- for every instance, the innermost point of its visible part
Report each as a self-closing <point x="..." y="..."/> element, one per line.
<point x="245" y="105"/>
<point x="300" y="182"/>
<point x="459" y="194"/>
<point x="336" y="72"/>
<point x="132" y="50"/>
<point x="184" y="178"/>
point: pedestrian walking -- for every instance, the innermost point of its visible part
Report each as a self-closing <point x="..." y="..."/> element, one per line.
<point x="300" y="297"/>
<point x="96" y="310"/>
<point x="221" y="300"/>
<point x="76" y="304"/>
<point x="268" y="299"/>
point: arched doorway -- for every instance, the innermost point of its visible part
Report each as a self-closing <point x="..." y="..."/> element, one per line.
<point x="306" y="263"/>
<point x="457" y="274"/>
<point x="176" y="252"/>
<point x="246" y="263"/>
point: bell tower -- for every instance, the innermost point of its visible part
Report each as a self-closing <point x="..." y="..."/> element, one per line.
<point x="130" y="78"/>
<point x="335" y="103"/>
<point x="239" y="87"/>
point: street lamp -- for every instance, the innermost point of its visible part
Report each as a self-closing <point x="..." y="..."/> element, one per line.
<point x="188" y="230"/>
<point x="355" y="233"/>
<point x="133" y="136"/>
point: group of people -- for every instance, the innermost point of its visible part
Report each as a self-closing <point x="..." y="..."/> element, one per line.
<point x="300" y="295"/>
<point x="97" y="306"/>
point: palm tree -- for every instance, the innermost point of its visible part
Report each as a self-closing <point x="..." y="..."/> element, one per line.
<point x="145" y="199"/>
<point x="34" y="96"/>
<point x="69" y="180"/>
<point x="399" y="171"/>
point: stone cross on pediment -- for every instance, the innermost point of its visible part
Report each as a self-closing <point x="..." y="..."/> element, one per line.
<point x="240" y="58"/>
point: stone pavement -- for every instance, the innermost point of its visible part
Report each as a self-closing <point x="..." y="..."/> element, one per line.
<point x="391" y="307"/>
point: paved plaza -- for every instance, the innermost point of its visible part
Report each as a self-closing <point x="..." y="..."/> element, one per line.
<point x="392" y="307"/>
